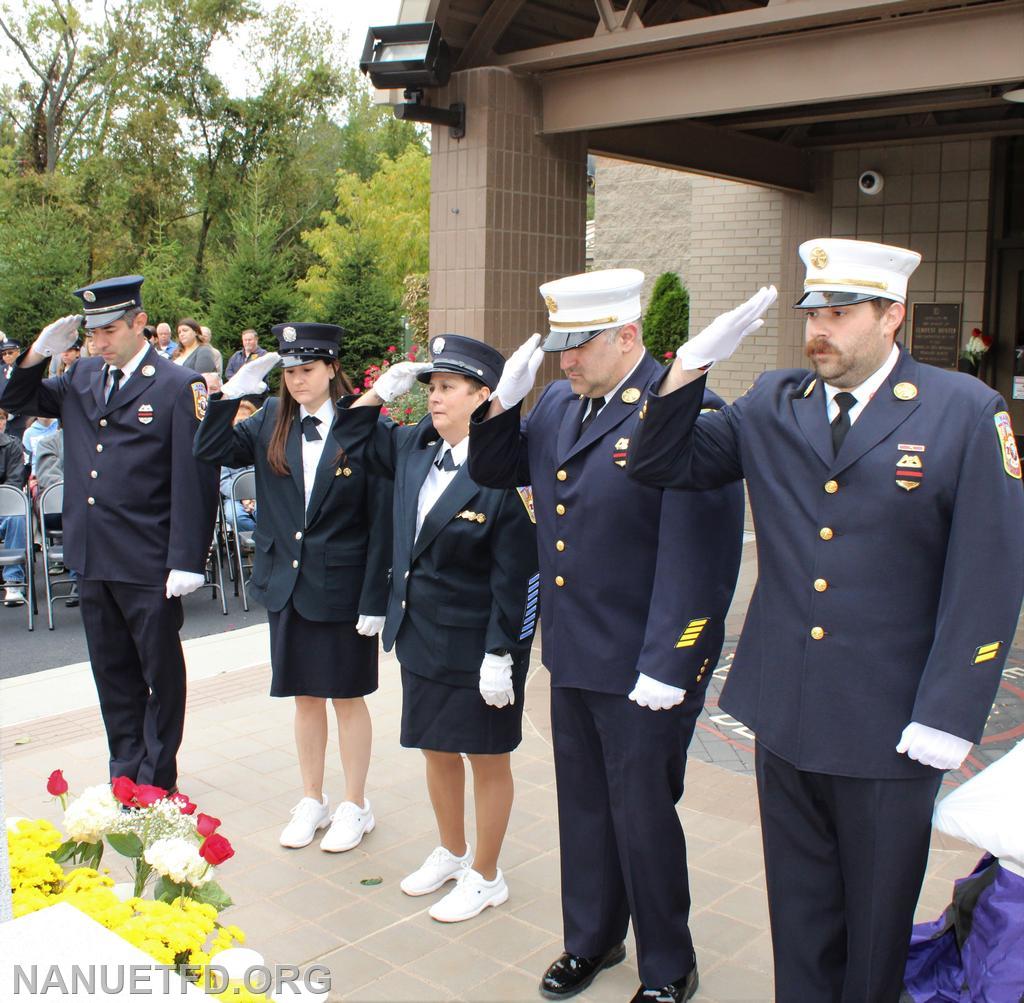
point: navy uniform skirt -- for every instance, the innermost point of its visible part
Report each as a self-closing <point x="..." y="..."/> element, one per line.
<point x="446" y="718"/>
<point x="310" y="658"/>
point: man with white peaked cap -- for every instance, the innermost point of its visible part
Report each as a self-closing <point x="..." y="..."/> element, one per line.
<point x="890" y="523"/>
<point x="635" y="583"/>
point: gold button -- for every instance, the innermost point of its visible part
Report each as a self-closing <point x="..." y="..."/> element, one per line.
<point x="298" y="535"/>
<point x="559" y="581"/>
<point x="560" y="545"/>
<point x="817" y="633"/>
<point x="93" y="474"/>
<point x="99" y="448"/>
<point x="560" y="509"/>
<point x="825" y="533"/>
<point x="831" y="487"/>
<point x="295" y="564"/>
<point x="346" y="471"/>
<point x="103" y="422"/>
<point x="91" y="501"/>
<point x="561" y="475"/>
<point x="820" y="585"/>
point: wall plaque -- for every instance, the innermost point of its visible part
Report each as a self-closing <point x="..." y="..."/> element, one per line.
<point x="935" y="334"/>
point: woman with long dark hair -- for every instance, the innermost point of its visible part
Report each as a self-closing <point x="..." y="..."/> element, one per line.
<point x="323" y="542"/>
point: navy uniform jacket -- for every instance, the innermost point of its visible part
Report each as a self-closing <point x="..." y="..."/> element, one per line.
<point x="889" y="577"/>
<point x="632" y="578"/>
<point x="136" y="502"/>
<point x="331" y="559"/>
<point x="467" y="584"/>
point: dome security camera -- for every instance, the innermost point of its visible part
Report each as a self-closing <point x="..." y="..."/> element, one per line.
<point x="871" y="182"/>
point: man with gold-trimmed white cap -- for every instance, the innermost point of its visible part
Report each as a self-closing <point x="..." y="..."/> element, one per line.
<point x="884" y="609"/>
<point x="635" y="583"/>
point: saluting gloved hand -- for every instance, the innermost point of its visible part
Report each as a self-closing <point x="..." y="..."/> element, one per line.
<point x="496" y="680"/>
<point x="369" y="626"/>
<point x="182" y="583"/>
<point x="398" y="379"/>
<point x="723" y="335"/>
<point x="650" y="693"/>
<point x="250" y="378"/>
<point x="519" y="373"/>
<point x="59" y="336"/>
<point x="933" y="747"/>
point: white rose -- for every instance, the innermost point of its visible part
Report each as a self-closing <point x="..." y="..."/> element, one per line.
<point x="178" y="860"/>
<point x="91" y="815"/>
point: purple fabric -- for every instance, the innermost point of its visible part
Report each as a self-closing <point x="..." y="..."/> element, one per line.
<point x="975" y="951"/>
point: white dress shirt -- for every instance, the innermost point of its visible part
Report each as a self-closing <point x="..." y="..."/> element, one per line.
<point x="312" y="451"/>
<point x="437" y="480"/>
<point x="126" y="370"/>
<point x="864" y="392"/>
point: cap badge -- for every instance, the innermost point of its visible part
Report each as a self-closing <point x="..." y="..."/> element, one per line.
<point x="551" y="304"/>
<point x="819" y="258"/>
<point x="148" y="370"/>
<point x="145" y="413"/>
<point x="905" y="391"/>
<point x="437" y="346"/>
<point x="288" y="334"/>
<point x="89" y="296"/>
<point x="630" y="395"/>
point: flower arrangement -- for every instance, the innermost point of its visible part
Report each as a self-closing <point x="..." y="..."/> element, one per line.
<point x="977" y="345"/>
<point x="410" y="407"/>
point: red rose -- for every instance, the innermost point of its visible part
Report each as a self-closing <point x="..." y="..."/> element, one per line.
<point x="216" y="849"/>
<point x="408" y="410"/>
<point x="57" y="785"/>
<point x="124" y="790"/>
<point x="391" y="348"/>
<point x="206" y="825"/>
<point x="185" y="805"/>
<point x="147" y="794"/>
<point x="384" y="411"/>
<point x="669" y="355"/>
<point x="412" y="354"/>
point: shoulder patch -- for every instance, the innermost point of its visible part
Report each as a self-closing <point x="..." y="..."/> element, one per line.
<point x="526" y="497"/>
<point x="200" y="398"/>
<point x="1007" y="444"/>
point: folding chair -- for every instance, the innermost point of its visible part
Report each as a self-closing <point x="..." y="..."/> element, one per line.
<point x="214" y="571"/>
<point x="15" y="502"/>
<point x="51" y="502"/>
<point x="242" y="486"/>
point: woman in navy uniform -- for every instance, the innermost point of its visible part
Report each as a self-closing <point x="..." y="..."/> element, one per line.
<point x="461" y="616"/>
<point x="323" y="539"/>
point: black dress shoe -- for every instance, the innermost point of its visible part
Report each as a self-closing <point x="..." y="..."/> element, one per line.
<point x="675" y="992"/>
<point x="571" y="973"/>
<point x="72" y="597"/>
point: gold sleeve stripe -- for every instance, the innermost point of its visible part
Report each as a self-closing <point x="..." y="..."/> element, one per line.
<point x="693" y="630"/>
<point x="987" y="652"/>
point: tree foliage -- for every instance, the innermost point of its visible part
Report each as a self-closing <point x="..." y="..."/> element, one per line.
<point x="667" y="322"/>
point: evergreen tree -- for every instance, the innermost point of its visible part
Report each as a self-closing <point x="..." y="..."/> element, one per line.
<point x="166" y="293"/>
<point x="362" y="301"/>
<point x="252" y="287"/>
<point x="667" y="323"/>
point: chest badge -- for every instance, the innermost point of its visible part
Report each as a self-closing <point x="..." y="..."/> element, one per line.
<point x="905" y="391"/>
<point x="149" y="370"/>
<point x="145" y="413"/>
<point x="630" y="395"/>
<point x="909" y="470"/>
<point x="619" y="456"/>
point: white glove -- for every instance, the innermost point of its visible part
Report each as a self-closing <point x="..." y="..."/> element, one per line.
<point x="59" y="336"/>
<point x="650" y="693"/>
<point x="182" y="583"/>
<point x="723" y="335"/>
<point x="249" y="379"/>
<point x="398" y="379"/>
<point x="933" y="747"/>
<point x="519" y="372"/>
<point x="369" y="626"/>
<point x="496" y="680"/>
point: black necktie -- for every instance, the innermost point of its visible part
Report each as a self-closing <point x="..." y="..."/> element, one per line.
<point x="116" y="375"/>
<point x="446" y="462"/>
<point x="596" y="403"/>
<point x="309" y="428"/>
<point x="841" y="422"/>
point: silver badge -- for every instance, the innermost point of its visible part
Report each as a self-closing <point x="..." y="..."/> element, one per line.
<point x="148" y="370"/>
<point x="288" y="334"/>
<point x="437" y="346"/>
<point x="89" y="296"/>
<point x="145" y="413"/>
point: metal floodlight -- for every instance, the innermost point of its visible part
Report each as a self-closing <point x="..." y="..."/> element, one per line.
<point x="411" y="57"/>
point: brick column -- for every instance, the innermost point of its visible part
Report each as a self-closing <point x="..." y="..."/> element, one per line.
<point x="507" y="211"/>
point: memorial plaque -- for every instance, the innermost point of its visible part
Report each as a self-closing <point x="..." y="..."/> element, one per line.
<point x="935" y="334"/>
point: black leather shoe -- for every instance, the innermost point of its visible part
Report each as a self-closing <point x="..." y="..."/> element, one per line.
<point x="571" y="973"/>
<point x="675" y="992"/>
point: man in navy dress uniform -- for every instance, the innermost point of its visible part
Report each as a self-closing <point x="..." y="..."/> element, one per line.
<point x="138" y="513"/>
<point x="634" y="587"/>
<point x="890" y="526"/>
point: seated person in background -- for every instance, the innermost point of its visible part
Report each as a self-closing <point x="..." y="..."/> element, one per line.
<point x="49" y="470"/>
<point x="12" y="528"/>
<point x="245" y="508"/>
<point x="165" y="343"/>
<point x="39" y="428"/>
<point x="206" y="338"/>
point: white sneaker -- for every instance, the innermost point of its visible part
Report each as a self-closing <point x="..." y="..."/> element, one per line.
<point x="470" y="897"/>
<point x="439" y="867"/>
<point x="14" y="597"/>
<point x="307" y="816"/>
<point x="349" y="824"/>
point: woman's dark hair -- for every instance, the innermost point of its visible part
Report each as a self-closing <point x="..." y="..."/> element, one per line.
<point x="196" y="330"/>
<point x="286" y="411"/>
